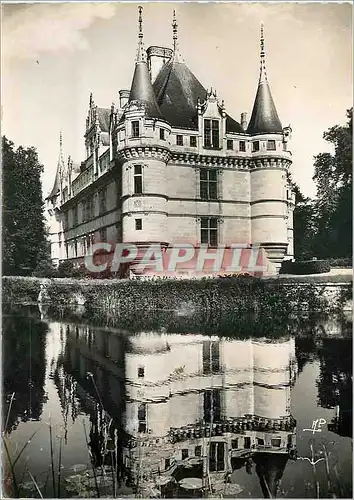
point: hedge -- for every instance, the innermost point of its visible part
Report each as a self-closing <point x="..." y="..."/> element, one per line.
<point x="305" y="267"/>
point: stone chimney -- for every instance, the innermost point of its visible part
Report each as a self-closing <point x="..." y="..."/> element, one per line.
<point x="123" y="98"/>
<point x="244" y="121"/>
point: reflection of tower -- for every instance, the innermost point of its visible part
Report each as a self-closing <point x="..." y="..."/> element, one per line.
<point x="207" y="403"/>
<point x="270" y="469"/>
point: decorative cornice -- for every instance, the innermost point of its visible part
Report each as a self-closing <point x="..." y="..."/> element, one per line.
<point x="144" y="152"/>
<point x="242" y="163"/>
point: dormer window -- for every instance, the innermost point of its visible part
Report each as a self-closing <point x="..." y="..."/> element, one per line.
<point x="255" y="146"/>
<point x="135" y="128"/>
<point x="211" y="134"/>
<point x="271" y="145"/>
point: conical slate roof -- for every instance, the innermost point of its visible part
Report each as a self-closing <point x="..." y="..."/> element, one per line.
<point x="60" y="168"/>
<point x="177" y="90"/>
<point x="264" y="118"/>
<point x="142" y="91"/>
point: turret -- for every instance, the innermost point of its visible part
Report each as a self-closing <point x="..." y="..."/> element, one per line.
<point x="143" y="151"/>
<point x="269" y="165"/>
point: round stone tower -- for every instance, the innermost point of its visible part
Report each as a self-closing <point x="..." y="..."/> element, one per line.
<point x="143" y="152"/>
<point x="269" y="163"/>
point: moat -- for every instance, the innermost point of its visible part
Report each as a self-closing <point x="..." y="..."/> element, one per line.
<point x="108" y="412"/>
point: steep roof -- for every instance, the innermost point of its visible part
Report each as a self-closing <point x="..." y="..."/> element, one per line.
<point x="103" y="118"/>
<point x="56" y="185"/>
<point x="177" y="90"/>
<point x="142" y="91"/>
<point x="264" y="118"/>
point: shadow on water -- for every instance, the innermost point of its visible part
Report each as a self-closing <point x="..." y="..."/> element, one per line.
<point x="172" y="405"/>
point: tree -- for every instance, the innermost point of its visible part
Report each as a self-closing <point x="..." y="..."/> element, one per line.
<point x="304" y="223"/>
<point x="24" y="237"/>
<point x="333" y="207"/>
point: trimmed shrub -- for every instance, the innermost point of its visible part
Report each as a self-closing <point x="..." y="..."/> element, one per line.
<point x="65" y="269"/>
<point x="305" y="267"/>
<point x="341" y="262"/>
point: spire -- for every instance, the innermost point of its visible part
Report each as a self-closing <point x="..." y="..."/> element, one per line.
<point x="140" y="57"/>
<point x="176" y="53"/>
<point x="141" y="89"/>
<point x="60" y="170"/>
<point x="264" y="118"/>
<point x="263" y="72"/>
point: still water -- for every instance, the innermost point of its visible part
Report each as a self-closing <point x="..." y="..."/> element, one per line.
<point x="101" y="411"/>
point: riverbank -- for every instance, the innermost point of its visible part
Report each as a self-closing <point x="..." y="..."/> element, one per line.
<point x="280" y="296"/>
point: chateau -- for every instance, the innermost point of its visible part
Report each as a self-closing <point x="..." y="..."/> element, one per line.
<point x="169" y="165"/>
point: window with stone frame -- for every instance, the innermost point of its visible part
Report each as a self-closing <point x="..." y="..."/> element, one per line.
<point x="162" y="134"/>
<point x="179" y="140"/>
<point x="138" y="179"/>
<point x="255" y="146"/>
<point x="271" y="145"/>
<point x="193" y="141"/>
<point x="138" y="224"/>
<point x="208" y="184"/>
<point x="230" y="144"/>
<point x="135" y="128"/>
<point x="209" y="231"/>
<point x="211" y="134"/>
<point x="242" y="146"/>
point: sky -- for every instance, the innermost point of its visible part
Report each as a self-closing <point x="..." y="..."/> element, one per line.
<point x="54" y="55"/>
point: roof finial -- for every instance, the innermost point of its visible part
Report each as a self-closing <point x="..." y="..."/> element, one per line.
<point x="175" y="33"/>
<point x="176" y="53"/>
<point x="263" y="73"/>
<point x="141" y="51"/>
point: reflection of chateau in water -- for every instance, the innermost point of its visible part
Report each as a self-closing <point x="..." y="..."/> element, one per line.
<point x="188" y="406"/>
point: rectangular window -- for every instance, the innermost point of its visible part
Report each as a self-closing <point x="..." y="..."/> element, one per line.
<point x="209" y="231"/>
<point x="167" y="463"/>
<point x="211" y="134"/>
<point x="162" y="134"/>
<point x="211" y="357"/>
<point x="230" y="144"/>
<point x="138" y="224"/>
<point x="198" y="451"/>
<point x="138" y="179"/>
<point x="142" y="427"/>
<point x="276" y="442"/>
<point x="103" y="234"/>
<point x="142" y="412"/>
<point x="255" y="146"/>
<point x="193" y="141"/>
<point x="102" y="200"/>
<point x="212" y="406"/>
<point x="234" y="444"/>
<point x="217" y="457"/>
<point x="208" y="184"/>
<point x="260" y="441"/>
<point x="179" y="140"/>
<point x="271" y="146"/>
<point x="184" y="453"/>
<point x="141" y="372"/>
<point x="66" y="220"/>
<point x="242" y="146"/>
<point x="135" y="128"/>
<point x="75" y="248"/>
<point x="247" y="443"/>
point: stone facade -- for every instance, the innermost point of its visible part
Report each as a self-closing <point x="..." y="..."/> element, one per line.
<point x="188" y="174"/>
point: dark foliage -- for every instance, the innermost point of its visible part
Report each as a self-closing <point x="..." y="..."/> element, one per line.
<point x="24" y="237"/>
<point x="305" y="267"/>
